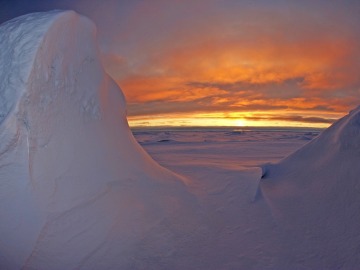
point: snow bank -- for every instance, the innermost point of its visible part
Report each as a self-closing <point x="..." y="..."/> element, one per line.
<point x="76" y="190"/>
<point x="315" y="194"/>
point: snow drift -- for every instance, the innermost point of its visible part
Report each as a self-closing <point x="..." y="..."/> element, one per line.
<point x="76" y="190"/>
<point x="314" y="193"/>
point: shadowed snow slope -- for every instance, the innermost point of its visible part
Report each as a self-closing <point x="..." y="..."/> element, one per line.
<point x="76" y="190"/>
<point x="315" y="194"/>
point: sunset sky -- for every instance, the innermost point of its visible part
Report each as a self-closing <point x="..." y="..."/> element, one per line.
<point x="226" y="62"/>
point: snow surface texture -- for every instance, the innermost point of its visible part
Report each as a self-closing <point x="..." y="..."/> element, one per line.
<point x="76" y="189"/>
<point x="78" y="192"/>
<point x="314" y="193"/>
<point x="225" y="148"/>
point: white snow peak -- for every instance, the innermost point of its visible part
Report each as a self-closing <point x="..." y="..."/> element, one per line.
<point x="76" y="189"/>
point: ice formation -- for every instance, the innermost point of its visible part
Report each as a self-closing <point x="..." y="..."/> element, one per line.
<point x="76" y="190"/>
<point x="314" y="193"/>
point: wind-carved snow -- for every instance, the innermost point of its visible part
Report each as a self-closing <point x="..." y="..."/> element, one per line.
<point x="314" y="193"/>
<point x="78" y="192"/>
<point x="19" y="41"/>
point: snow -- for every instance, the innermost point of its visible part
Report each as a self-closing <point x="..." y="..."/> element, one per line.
<point x="314" y="194"/>
<point x="225" y="148"/>
<point x="19" y="41"/>
<point x="77" y="191"/>
<point x="75" y="185"/>
<point x="223" y="165"/>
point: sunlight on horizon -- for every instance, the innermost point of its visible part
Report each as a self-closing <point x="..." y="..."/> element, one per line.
<point x="228" y="120"/>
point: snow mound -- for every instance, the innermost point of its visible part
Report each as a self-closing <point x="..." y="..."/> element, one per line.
<point x="76" y="189"/>
<point x="315" y="194"/>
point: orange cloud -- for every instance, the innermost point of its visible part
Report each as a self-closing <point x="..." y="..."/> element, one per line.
<point x="260" y="59"/>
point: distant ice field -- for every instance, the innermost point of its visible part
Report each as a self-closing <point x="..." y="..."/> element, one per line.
<point x="223" y="148"/>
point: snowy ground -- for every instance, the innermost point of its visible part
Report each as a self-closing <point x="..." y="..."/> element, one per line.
<point x="303" y="216"/>
<point x="223" y="168"/>
<point x="223" y="148"/>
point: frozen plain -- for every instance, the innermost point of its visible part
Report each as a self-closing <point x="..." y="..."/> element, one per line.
<point x="307" y="179"/>
<point x="223" y="166"/>
<point x="238" y="148"/>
